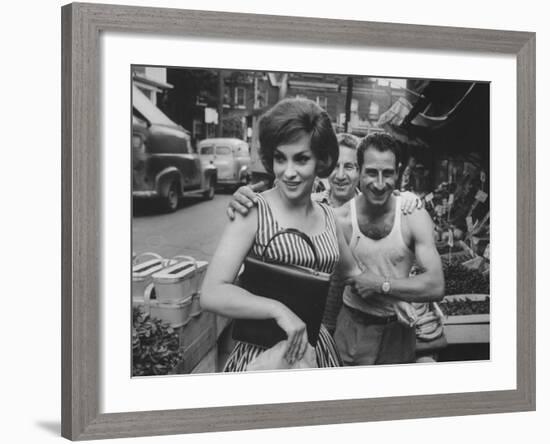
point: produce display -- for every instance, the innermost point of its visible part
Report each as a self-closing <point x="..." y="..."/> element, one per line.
<point x="155" y="345"/>
<point x="460" y="211"/>
<point x="465" y="307"/>
<point x="461" y="280"/>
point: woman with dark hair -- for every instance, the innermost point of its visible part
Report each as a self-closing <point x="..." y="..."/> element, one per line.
<point x="297" y="144"/>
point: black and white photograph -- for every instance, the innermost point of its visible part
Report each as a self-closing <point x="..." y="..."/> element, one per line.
<point x="286" y="220"/>
<point x="275" y="222"/>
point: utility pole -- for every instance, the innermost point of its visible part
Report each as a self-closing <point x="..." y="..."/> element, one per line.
<point x="349" y="94"/>
<point x="219" y="129"/>
<point x="255" y="91"/>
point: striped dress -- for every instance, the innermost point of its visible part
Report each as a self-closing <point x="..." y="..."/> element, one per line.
<point x="290" y="249"/>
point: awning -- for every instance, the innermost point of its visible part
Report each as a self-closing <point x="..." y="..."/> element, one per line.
<point x="396" y="114"/>
<point x="450" y="117"/>
<point x="148" y="110"/>
<point x="151" y="82"/>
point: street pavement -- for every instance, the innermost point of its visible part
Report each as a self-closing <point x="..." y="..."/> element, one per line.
<point x="193" y="230"/>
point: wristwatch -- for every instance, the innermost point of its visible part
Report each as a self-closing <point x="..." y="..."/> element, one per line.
<point x="386" y="286"/>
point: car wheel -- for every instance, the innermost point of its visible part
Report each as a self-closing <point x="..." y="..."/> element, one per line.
<point x="210" y="190"/>
<point x="170" y="202"/>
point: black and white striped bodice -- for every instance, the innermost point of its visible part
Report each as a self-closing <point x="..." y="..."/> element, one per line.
<point x="291" y="249"/>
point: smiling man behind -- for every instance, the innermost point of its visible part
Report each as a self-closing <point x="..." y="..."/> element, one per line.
<point x="344" y="178"/>
<point x="385" y="245"/>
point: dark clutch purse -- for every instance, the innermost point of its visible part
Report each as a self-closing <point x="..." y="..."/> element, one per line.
<point x="301" y="289"/>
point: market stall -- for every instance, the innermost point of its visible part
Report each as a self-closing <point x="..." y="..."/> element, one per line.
<point x="443" y="130"/>
<point x="170" y="332"/>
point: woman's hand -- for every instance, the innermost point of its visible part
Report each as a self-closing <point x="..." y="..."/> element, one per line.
<point x="243" y="199"/>
<point x="296" y="332"/>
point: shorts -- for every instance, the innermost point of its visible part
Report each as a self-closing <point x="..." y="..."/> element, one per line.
<point x="361" y="341"/>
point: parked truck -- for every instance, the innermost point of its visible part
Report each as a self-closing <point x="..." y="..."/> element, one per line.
<point x="165" y="167"/>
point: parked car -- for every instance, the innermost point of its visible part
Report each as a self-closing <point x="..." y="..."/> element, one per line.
<point x="164" y="164"/>
<point x="230" y="156"/>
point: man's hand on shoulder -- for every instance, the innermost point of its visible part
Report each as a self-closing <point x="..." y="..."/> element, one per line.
<point x="243" y="200"/>
<point x="410" y="202"/>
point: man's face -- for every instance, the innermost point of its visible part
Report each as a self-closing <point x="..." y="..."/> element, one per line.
<point x="378" y="176"/>
<point x="345" y="176"/>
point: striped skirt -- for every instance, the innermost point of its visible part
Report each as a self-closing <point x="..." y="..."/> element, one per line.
<point x="325" y="353"/>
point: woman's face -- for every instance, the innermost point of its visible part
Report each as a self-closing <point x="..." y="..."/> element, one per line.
<point x="294" y="166"/>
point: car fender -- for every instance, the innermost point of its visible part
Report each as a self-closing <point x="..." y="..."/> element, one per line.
<point x="210" y="172"/>
<point x="165" y="177"/>
<point x="244" y="173"/>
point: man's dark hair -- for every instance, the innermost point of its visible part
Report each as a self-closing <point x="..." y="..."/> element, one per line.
<point x="381" y="142"/>
<point x="291" y="119"/>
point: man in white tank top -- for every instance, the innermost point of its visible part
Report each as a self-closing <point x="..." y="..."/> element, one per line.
<point x="370" y="328"/>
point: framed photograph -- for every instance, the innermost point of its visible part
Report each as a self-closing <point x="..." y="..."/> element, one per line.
<point x="167" y="112"/>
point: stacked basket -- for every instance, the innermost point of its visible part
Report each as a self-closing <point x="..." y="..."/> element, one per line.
<point x="169" y="289"/>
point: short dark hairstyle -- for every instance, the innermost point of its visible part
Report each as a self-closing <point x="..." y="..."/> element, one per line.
<point x="381" y="142"/>
<point x="291" y="119"/>
<point x="347" y="140"/>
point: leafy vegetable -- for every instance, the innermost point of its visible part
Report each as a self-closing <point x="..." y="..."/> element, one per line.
<point x="155" y="345"/>
<point x="461" y="280"/>
<point x="465" y="307"/>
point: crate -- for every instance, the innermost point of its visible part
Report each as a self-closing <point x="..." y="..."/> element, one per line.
<point x="221" y="324"/>
<point x="209" y="363"/>
<point x="198" y="349"/>
<point x="193" y="329"/>
<point x="467" y="329"/>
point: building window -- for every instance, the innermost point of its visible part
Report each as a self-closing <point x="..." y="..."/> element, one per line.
<point x="262" y="98"/>
<point x="322" y="102"/>
<point x="354" y="106"/>
<point x="198" y="129"/>
<point x="240" y="96"/>
<point x="374" y="110"/>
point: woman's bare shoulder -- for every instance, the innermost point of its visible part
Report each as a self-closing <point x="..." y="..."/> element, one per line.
<point x="244" y="225"/>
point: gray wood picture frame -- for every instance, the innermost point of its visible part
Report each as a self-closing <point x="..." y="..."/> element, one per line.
<point x="81" y="206"/>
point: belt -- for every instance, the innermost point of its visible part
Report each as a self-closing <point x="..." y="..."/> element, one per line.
<point x="366" y="318"/>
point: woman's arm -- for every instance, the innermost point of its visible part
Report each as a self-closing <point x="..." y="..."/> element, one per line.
<point x="220" y="295"/>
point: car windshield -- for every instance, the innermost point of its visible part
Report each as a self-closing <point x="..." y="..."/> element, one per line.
<point x="223" y="150"/>
<point x="208" y="149"/>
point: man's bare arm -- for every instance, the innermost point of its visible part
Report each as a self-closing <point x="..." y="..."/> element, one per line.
<point x="430" y="285"/>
